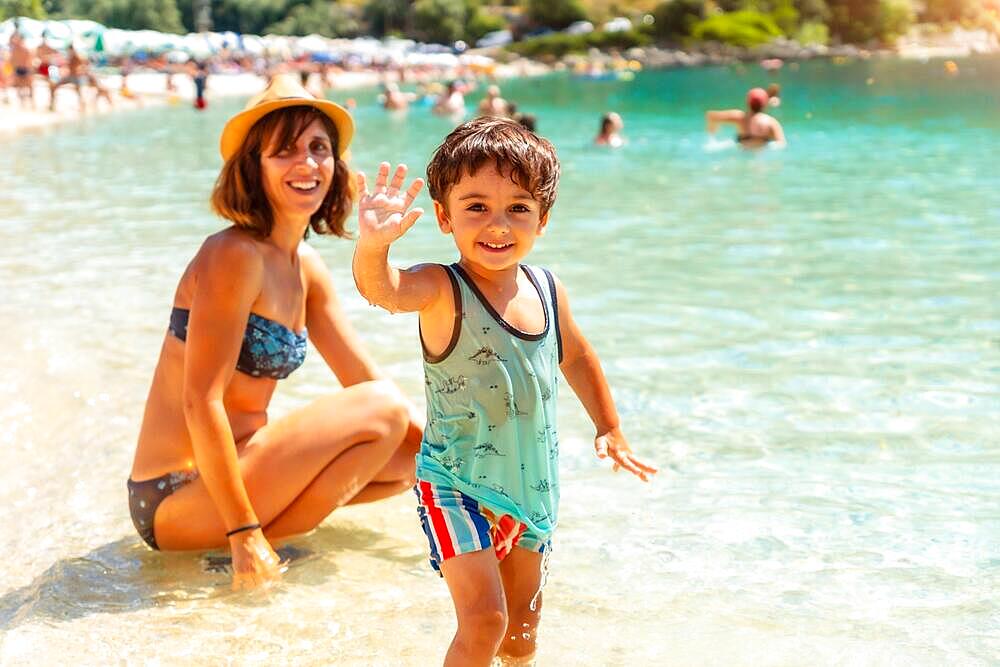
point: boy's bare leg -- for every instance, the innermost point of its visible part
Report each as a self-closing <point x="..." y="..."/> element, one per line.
<point x="476" y="589"/>
<point x="521" y="573"/>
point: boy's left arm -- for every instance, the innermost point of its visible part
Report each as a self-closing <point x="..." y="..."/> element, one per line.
<point x="582" y="369"/>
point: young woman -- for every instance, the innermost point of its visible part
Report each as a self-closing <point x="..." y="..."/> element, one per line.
<point x="755" y="129"/>
<point x="211" y="467"/>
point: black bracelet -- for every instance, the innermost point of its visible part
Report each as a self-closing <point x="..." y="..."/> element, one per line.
<point x="249" y="526"/>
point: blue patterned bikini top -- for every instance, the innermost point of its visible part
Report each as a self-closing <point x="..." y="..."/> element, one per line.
<point x="270" y="349"/>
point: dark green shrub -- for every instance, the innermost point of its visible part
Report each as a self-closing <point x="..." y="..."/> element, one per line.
<point x="559" y="44"/>
<point x="555" y="14"/>
<point x="676" y="18"/>
<point x="441" y="21"/>
<point x="481" y="23"/>
<point x="744" y="28"/>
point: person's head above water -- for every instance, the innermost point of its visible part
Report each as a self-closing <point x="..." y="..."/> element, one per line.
<point x="522" y="156"/>
<point x="756" y="99"/>
<point x="270" y="126"/>
<point x="611" y="122"/>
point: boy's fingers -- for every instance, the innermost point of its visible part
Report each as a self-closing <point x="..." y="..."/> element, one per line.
<point x="601" y="448"/>
<point x="382" y="177"/>
<point x="413" y="191"/>
<point x="362" y="183"/>
<point x="397" y="180"/>
<point x="409" y="219"/>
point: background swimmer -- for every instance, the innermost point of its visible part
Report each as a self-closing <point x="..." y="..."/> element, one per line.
<point x="755" y="128"/>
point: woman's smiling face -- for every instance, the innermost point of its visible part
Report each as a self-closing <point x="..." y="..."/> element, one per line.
<point x="297" y="177"/>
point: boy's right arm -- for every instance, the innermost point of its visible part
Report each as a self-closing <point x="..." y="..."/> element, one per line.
<point x="383" y="218"/>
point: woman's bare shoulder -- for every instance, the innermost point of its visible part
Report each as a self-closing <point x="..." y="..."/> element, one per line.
<point x="229" y="250"/>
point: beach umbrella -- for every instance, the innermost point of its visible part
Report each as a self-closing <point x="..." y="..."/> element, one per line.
<point x="311" y="44"/>
<point x="31" y="30"/>
<point x="252" y="44"/>
<point x="178" y="56"/>
<point x="230" y="40"/>
<point x="196" y="45"/>
<point x="87" y="34"/>
<point x="115" y="42"/>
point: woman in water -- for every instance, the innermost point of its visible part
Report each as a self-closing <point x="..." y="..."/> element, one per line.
<point x="212" y="468"/>
<point x="610" y="132"/>
<point x="755" y="128"/>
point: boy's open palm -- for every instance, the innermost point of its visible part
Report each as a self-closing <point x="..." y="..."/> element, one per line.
<point x="382" y="213"/>
<point x="613" y="445"/>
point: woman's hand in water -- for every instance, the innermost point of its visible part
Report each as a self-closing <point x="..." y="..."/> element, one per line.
<point x="255" y="564"/>
<point x="382" y="213"/>
<point x="614" y="445"/>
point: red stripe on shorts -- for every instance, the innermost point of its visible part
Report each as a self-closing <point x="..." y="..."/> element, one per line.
<point x="437" y="520"/>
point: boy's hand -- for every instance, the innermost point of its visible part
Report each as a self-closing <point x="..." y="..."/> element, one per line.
<point x="614" y="444"/>
<point x="382" y="214"/>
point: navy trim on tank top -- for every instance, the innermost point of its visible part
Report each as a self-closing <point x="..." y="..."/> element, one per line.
<point x="456" y="328"/>
<point x="555" y="311"/>
<point x="523" y="335"/>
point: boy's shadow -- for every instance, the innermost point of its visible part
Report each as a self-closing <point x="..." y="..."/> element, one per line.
<point x="125" y="575"/>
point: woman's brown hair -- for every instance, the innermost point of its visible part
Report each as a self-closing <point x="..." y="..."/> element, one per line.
<point x="239" y="194"/>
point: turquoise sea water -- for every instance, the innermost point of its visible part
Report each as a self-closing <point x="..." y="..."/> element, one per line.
<point x="807" y="341"/>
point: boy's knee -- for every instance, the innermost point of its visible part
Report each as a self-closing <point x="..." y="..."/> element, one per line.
<point x="486" y="623"/>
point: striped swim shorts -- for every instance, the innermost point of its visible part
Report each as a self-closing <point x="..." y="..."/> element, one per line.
<point x="457" y="524"/>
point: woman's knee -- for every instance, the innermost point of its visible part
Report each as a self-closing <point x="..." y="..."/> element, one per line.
<point x="388" y="405"/>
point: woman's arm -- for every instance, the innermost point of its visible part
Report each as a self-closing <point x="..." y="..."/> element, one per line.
<point x="329" y="329"/>
<point x="228" y="279"/>
<point x="713" y="118"/>
<point x="778" y="134"/>
<point x="582" y="370"/>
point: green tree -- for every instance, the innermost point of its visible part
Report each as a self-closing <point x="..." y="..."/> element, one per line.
<point x="861" y="21"/>
<point x="386" y="16"/>
<point x="321" y="17"/>
<point x="479" y="23"/>
<point x="246" y="16"/>
<point x="33" y="9"/>
<point x="853" y="20"/>
<point x="894" y="18"/>
<point x="743" y="28"/>
<point x="816" y="11"/>
<point x="441" y="21"/>
<point x="555" y="14"/>
<point x="675" y="18"/>
<point x="783" y="12"/>
<point x="159" y="15"/>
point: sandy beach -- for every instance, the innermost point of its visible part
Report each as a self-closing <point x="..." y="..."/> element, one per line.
<point x="144" y="89"/>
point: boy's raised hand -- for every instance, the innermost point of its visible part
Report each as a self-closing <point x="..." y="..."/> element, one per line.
<point x="382" y="213"/>
<point x="614" y="445"/>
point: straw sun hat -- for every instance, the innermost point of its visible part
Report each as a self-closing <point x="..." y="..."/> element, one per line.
<point x="283" y="91"/>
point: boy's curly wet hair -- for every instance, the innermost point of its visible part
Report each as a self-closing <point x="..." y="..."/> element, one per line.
<point x="527" y="159"/>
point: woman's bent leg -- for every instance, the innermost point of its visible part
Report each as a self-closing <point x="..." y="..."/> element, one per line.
<point x="298" y="468"/>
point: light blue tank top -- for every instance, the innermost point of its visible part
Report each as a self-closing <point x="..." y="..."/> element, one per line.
<point x="491" y="407"/>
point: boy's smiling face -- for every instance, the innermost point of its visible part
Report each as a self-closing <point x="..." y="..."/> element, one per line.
<point x="494" y="221"/>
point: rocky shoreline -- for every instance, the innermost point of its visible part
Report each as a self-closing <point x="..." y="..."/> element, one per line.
<point x="918" y="44"/>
